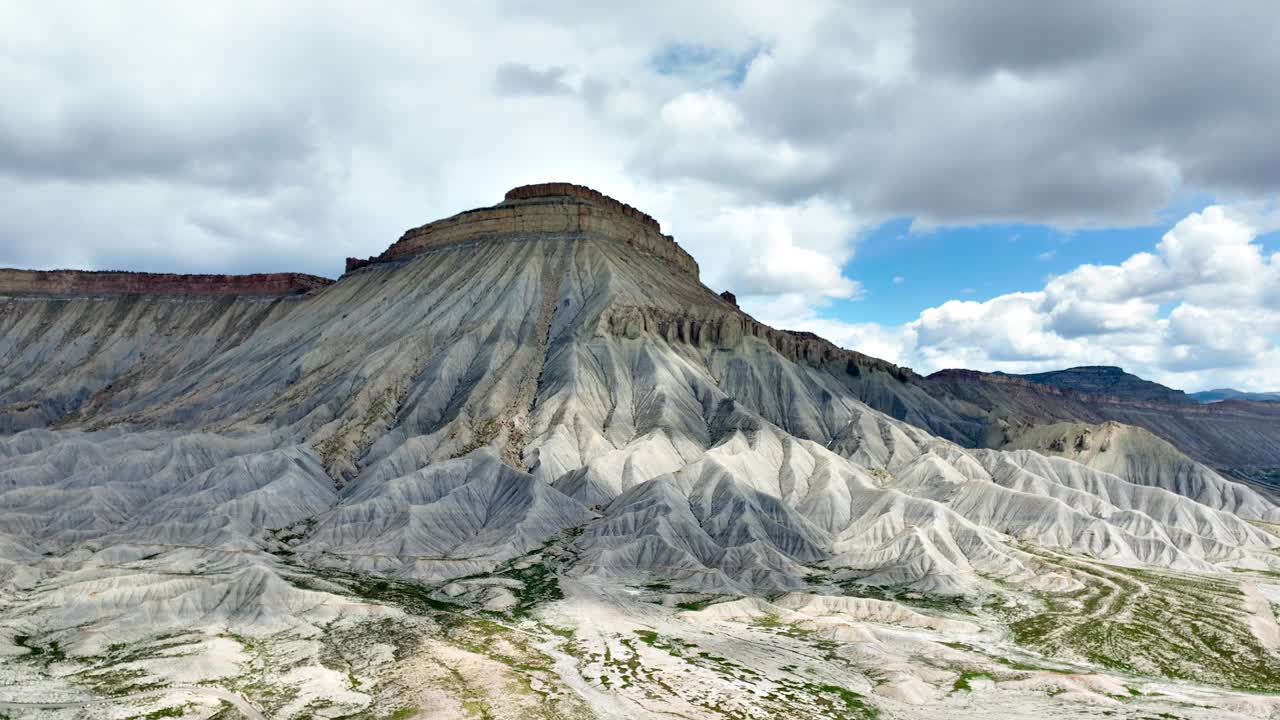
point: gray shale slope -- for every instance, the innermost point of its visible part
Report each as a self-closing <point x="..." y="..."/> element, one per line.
<point x="544" y="381"/>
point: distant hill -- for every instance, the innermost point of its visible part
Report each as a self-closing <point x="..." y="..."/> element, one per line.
<point x="1208" y="396"/>
<point x="1111" y="381"/>
<point x="1229" y="435"/>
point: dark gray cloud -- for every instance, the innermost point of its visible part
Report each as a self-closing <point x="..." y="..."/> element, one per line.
<point x="520" y="79"/>
<point x="982" y="36"/>
<point x="1087" y="113"/>
<point x="104" y="146"/>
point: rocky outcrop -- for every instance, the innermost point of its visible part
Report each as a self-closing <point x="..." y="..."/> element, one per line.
<point x="584" y="193"/>
<point x="80" y="282"/>
<point x="547" y="209"/>
<point x="726" y="331"/>
<point x="354" y="264"/>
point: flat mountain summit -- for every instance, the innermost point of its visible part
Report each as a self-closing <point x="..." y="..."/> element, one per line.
<point x="1109" y="380"/>
<point x="524" y="464"/>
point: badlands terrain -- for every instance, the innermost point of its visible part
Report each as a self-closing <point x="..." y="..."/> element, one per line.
<point x="525" y="465"/>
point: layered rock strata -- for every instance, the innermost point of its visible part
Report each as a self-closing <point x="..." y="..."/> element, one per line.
<point x="545" y="209"/>
<point x="80" y="282"/>
<point x="725" y="331"/>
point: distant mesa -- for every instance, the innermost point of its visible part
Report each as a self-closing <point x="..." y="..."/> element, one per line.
<point x="1098" y="381"/>
<point x="84" y="282"/>
<point x="1110" y="381"/>
<point x="1221" y="394"/>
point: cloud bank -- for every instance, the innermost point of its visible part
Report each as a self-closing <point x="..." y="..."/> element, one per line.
<point x="1201" y="310"/>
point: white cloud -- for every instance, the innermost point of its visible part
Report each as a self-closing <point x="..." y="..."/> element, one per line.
<point x="898" y="279"/>
<point x="774" y="249"/>
<point x="700" y="112"/>
<point x="1209" y="269"/>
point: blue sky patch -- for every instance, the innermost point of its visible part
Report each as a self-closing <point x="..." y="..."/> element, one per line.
<point x="715" y="64"/>
<point x="973" y="263"/>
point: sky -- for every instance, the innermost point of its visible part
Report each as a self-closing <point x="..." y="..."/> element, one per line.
<point x="997" y="185"/>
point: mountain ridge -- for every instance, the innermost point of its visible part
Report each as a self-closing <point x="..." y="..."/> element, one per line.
<point x="1110" y="381"/>
<point x="1232" y="435"/>
<point x="1219" y="394"/>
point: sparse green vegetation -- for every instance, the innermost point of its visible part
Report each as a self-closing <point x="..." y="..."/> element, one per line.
<point x="408" y="596"/>
<point x="43" y="654"/>
<point x="924" y="601"/>
<point x="962" y="683"/>
<point x="700" y="604"/>
<point x="1156" y="623"/>
<point x="786" y="695"/>
<point x="254" y="683"/>
<point x="1005" y="661"/>
<point x="117" y="681"/>
<point x="226" y="711"/>
<point x="167" y="712"/>
<point x="539" y="585"/>
<point x="854" y="706"/>
<point x="767" y="621"/>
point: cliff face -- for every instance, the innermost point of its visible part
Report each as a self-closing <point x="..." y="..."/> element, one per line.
<point x="79" y="282"/>
<point x="545" y="209"/>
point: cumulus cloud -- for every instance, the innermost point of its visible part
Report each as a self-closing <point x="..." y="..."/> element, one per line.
<point x="770" y="249"/>
<point x="1209" y="272"/>
<point x="699" y="113"/>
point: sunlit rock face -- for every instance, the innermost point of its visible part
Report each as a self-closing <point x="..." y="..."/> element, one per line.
<point x="525" y="462"/>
